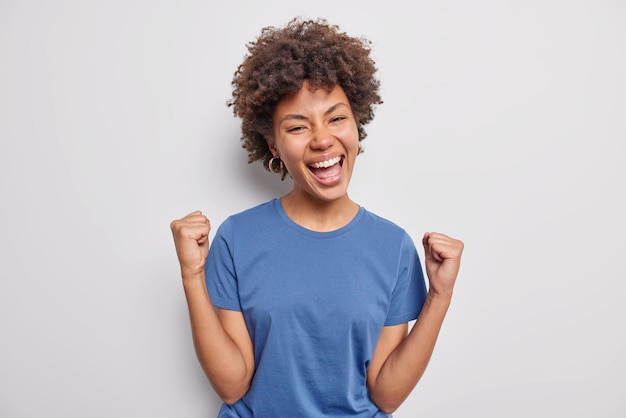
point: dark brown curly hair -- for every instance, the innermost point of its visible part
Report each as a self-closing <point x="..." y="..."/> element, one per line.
<point x="279" y="61"/>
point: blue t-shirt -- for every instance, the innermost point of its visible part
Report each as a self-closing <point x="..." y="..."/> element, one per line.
<point x="315" y="304"/>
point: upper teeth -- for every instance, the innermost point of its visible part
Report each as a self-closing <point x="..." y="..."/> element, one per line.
<point x="327" y="163"/>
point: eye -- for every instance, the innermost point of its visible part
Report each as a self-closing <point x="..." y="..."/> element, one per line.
<point x="337" y="119"/>
<point x="295" y="129"/>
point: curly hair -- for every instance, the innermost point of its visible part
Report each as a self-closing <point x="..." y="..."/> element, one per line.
<point x="279" y="61"/>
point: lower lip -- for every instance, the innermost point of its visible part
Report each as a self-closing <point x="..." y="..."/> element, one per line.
<point x="329" y="181"/>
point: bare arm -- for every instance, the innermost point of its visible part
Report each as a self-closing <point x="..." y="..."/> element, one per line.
<point x="221" y="339"/>
<point x="400" y="360"/>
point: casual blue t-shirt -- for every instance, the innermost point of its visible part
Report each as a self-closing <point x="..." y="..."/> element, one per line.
<point x="315" y="304"/>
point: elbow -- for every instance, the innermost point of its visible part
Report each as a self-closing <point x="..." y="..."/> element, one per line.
<point x="388" y="411"/>
<point x="232" y="387"/>
<point x="231" y="395"/>
<point x="388" y="405"/>
<point x="230" y="391"/>
<point x="388" y="408"/>
<point x="230" y="400"/>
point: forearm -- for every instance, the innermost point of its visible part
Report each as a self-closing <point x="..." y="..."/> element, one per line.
<point x="406" y="364"/>
<point x="219" y="356"/>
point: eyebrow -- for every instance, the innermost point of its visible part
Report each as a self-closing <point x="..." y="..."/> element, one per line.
<point x="302" y="117"/>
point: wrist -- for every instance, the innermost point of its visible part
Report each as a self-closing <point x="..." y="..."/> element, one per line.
<point x="192" y="276"/>
<point x="442" y="298"/>
<point x="194" y="285"/>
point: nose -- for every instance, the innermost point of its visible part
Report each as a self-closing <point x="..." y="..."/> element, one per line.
<point x="322" y="139"/>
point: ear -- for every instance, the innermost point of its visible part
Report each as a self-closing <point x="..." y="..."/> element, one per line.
<point x="272" y="146"/>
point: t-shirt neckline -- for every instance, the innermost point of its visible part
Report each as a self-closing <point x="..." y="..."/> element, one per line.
<point x="316" y="234"/>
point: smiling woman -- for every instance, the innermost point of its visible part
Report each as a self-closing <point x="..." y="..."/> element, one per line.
<point x="312" y="312"/>
<point x="281" y="61"/>
<point x="316" y="137"/>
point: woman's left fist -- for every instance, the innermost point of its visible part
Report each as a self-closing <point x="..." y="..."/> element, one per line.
<point x="443" y="258"/>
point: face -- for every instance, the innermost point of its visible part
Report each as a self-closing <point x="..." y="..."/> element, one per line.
<point x="316" y="136"/>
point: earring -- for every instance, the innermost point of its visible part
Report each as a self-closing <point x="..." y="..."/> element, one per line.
<point x="270" y="165"/>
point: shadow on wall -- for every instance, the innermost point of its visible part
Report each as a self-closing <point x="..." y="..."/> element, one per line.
<point x="262" y="183"/>
<point x="267" y="182"/>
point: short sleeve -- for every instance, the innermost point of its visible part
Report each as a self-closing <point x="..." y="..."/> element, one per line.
<point x="409" y="294"/>
<point x="221" y="278"/>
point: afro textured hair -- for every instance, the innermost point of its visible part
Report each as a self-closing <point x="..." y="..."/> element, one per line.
<point x="280" y="59"/>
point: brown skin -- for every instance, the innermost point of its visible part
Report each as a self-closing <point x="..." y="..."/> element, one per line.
<point x="399" y="362"/>
<point x="221" y="339"/>
<point x="322" y="94"/>
<point x="225" y="350"/>
<point x="312" y="127"/>
<point x="279" y="61"/>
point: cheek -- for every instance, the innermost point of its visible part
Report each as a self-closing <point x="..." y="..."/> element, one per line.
<point x="351" y="139"/>
<point x="290" y="155"/>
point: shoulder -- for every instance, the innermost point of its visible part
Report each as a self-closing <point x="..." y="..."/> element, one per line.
<point x="255" y="211"/>
<point x="379" y="232"/>
<point x="258" y="218"/>
<point x="382" y="225"/>
<point x="252" y="215"/>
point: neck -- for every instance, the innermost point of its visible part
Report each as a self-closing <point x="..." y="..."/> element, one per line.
<point x="319" y="215"/>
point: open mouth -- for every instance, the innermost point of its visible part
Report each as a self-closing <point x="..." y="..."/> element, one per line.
<point x="327" y="169"/>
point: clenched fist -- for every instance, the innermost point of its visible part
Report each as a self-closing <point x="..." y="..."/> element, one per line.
<point x="443" y="258"/>
<point x="191" y="237"/>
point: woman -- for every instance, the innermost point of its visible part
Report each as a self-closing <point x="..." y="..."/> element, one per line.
<point x="313" y="293"/>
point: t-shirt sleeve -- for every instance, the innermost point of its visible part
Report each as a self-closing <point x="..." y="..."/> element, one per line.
<point x="409" y="294"/>
<point x="221" y="278"/>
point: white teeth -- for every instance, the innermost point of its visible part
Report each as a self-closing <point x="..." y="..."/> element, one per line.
<point x="327" y="163"/>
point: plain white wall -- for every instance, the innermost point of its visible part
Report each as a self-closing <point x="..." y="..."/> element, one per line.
<point x="504" y="124"/>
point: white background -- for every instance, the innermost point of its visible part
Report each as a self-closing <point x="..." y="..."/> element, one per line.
<point x="504" y="124"/>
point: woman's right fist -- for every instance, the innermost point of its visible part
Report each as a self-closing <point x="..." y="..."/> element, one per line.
<point x="191" y="238"/>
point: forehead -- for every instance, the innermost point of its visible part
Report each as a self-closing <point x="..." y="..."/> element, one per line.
<point x="307" y="101"/>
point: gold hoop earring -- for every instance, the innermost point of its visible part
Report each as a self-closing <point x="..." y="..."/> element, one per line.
<point x="270" y="165"/>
